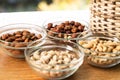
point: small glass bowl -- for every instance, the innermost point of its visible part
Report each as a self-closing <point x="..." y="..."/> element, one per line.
<point x="101" y="51"/>
<point x="63" y="35"/>
<point x="16" y="49"/>
<point x="37" y="58"/>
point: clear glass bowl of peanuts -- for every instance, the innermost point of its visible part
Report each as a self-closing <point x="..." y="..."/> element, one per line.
<point x="67" y="28"/>
<point x="101" y="51"/>
<point x="14" y="38"/>
<point x="54" y="60"/>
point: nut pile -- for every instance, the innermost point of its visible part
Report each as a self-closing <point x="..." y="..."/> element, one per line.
<point x="20" y="36"/>
<point x="18" y="39"/>
<point x="101" y="51"/>
<point x="67" y="29"/>
<point x="55" y="60"/>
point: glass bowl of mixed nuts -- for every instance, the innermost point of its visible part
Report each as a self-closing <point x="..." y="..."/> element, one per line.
<point x="15" y="37"/>
<point x="101" y="51"/>
<point x="66" y="28"/>
<point x="54" y="60"/>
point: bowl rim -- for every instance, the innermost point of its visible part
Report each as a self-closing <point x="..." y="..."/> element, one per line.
<point x="40" y="27"/>
<point x="81" y="58"/>
<point x="99" y="36"/>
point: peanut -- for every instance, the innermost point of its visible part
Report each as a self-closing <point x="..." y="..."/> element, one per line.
<point x="53" y="60"/>
<point x="102" y="51"/>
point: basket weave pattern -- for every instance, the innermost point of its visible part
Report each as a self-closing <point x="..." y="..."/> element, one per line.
<point x="105" y="17"/>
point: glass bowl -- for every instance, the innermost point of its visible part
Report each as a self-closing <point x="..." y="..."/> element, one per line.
<point x="67" y="28"/>
<point x="101" y="51"/>
<point x="15" y="37"/>
<point x="54" y="60"/>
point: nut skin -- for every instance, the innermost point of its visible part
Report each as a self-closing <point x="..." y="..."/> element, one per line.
<point x="23" y="37"/>
<point x="4" y="36"/>
<point x="74" y="35"/>
<point x="74" y="30"/>
<point x="25" y="33"/>
<point x="77" y="24"/>
<point x="20" y="45"/>
<point x="49" y="26"/>
<point x="72" y="22"/>
<point x="20" y="36"/>
<point x="18" y="39"/>
<point x="66" y="27"/>
<point x="81" y="28"/>
<point x="8" y="40"/>
<point x="66" y="22"/>
<point x="53" y="29"/>
<point x="39" y="36"/>
<point x="17" y="52"/>
<point x="60" y="35"/>
<point x="50" y="33"/>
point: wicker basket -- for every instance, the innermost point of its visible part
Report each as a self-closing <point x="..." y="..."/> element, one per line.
<point x="105" y="17"/>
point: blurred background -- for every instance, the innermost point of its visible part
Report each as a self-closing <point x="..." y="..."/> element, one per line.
<point x="42" y="5"/>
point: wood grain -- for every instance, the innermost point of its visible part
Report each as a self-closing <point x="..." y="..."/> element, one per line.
<point x="18" y="69"/>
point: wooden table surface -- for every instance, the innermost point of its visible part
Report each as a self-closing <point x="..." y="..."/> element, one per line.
<point x="18" y="69"/>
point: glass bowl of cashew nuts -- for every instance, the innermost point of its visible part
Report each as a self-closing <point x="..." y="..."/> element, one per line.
<point x="101" y="51"/>
<point x="54" y="60"/>
<point x="14" y="38"/>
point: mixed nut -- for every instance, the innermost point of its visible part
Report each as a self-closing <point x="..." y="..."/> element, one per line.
<point x="66" y="30"/>
<point x="18" y="39"/>
<point x="101" y="51"/>
<point x="53" y="62"/>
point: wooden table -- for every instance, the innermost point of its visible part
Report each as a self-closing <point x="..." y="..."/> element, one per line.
<point x="18" y="69"/>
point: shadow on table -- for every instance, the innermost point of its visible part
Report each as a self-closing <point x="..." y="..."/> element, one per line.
<point x="88" y="72"/>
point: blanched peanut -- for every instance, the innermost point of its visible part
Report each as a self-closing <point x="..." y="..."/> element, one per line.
<point x="115" y="51"/>
<point x="54" y="60"/>
<point x="87" y="45"/>
<point x="110" y="49"/>
<point x="52" y="74"/>
<point x="104" y="48"/>
<point x="36" y="55"/>
<point x="66" y="60"/>
<point x="118" y="48"/>
<point x="100" y="51"/>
